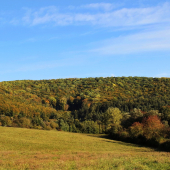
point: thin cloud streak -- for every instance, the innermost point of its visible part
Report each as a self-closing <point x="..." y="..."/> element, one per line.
<point x="111" y="18"/>
<point x="104" y="6"/>
<point x="158" y="40"/>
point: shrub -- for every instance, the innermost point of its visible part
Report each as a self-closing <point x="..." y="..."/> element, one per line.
<point x="54" y="125"/>
<point x="115" y="129"/>
<point x="48" y="127"/>
<point x="6" y="121"/>
<point x="124" y="135"/>
<point x="24" y="122"/>
<point x="36" y="121"/>
<point x="37" y="127"/>
<point x="90" y="127"/>
<point x="63" y="125"/>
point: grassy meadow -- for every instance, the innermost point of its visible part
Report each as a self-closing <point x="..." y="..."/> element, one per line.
<point x="39" y="149"/>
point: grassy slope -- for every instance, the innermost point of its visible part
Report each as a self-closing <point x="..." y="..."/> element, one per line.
<point x="36" y="149"/>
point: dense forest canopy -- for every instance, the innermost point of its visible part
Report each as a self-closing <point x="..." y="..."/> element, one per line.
<point x="125" y="93"/>
<point x="90" y="105"/>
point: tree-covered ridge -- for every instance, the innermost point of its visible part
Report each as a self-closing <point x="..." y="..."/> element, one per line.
<point x="133" y="90"/>
<point x="115" y="105"/>
<point x="90" y="87"/>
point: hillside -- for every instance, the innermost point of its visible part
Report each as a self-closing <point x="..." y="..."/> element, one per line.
<point x="68" y="94"/>
<point x="124" y="107"/>
<point x="39" y="149"/>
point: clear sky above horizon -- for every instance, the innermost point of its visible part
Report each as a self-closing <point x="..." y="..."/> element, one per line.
<point x="42" y="39"/>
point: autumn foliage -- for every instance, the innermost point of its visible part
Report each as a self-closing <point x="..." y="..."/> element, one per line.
<point x="132" y="107"/>
<point x="153" y="127"/>
<point x="136" y="129"/>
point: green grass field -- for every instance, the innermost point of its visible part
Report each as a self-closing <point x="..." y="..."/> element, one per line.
<point x="40" y="149"/>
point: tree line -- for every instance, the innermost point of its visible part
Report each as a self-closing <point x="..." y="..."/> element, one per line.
<point x="127" y="108"/>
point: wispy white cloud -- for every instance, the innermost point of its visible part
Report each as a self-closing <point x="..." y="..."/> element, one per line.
<point x="104" y="6"/>
<point x="157" y="40"/>
<point x="110" y="17"/>
<point x="96" y="6"/>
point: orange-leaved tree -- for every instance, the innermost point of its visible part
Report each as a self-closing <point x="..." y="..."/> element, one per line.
<point x="136" y="129"/>
<point x="153" y="127"/>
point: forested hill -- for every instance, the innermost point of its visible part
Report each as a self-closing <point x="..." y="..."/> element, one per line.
<point x="133" y="108"/>
<point x="126" y="93"/>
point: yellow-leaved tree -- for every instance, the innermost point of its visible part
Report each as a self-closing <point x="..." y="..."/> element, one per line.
<point x="112" y="119"/>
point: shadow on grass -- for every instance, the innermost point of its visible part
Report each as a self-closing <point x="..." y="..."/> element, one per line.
<point x="131" y="142"/>
<point x="112" y="140"/>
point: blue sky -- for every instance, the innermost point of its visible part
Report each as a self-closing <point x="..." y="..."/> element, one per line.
<point x="42" y="39"/>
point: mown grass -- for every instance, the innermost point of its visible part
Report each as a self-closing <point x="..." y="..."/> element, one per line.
<point x="40" y="149"/>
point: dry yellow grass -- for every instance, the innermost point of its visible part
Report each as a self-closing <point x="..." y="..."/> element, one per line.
<point x="37" y="149"/>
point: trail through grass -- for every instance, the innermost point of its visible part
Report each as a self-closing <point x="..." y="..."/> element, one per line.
<point x="39" y="149"/>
